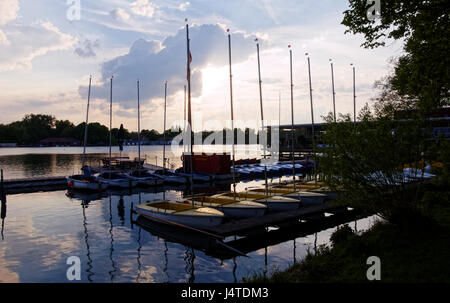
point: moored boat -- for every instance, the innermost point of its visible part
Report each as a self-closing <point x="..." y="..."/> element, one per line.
<point x="88" y="183"/>
<point x="186" y="214"/>
<point x="114" y="179"/>
<point x="144" y="177"/>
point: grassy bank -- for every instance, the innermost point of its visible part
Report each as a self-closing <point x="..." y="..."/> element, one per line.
<point x="417" y="250"/>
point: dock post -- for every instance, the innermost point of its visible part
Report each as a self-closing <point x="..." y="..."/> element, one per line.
<point x="2" y="190"/>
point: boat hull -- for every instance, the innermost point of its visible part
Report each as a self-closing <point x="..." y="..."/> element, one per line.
<point x="193" y="220"/>
<point x="85" y="185"/>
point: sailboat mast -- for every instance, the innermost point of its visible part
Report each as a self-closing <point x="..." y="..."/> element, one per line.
<point x="312" y="119"/>
<point x="83" y="161"/>
<point x="232" y="117"/>
<point x="262" y="117"/>
<point x="110" y="119"/>
<point x="292" y="120"/>
<point x="354" y="95"/>
<point x="164" y="128"/>
<point x="189" y="110"/>
<point x="184" y="127"/>
<point x="139" y="124"/>
<point x="333" y="92"/>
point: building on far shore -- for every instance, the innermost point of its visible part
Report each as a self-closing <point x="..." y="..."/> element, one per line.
<point x="47" y="142"/>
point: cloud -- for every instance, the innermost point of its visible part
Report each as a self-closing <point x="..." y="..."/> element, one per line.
<point x="154" y="62"/>
<point x="25" y="42"/>
<point x="8" y="10"/>
<point x="119" y="14"/>
<point x="183" y="6"/>
<point x="143" y="8"/>
<point x="86" y="49"/>
<point x="3" y="39"/>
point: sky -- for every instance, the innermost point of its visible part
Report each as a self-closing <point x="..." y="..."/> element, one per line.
<point x="49" y="49"/>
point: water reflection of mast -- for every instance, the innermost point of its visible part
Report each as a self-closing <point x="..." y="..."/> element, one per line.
<point x="234" y="269"/>
<point x="121" y="210"/>
<point x="84" y="205"/>
<point x="3" y="203"/>
<point x="190" y="269"/>
<point x="140" y="244"/>
<point x="111" y="273"/>
<point x="166" y="259"/>
<point x="3" y="213"/>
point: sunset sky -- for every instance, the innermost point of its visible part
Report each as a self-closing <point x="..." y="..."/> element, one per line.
<point x="47" y="54"/>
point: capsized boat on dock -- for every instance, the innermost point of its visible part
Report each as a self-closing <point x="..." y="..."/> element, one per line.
<point x="273" y="202"/>
<point x="305" y="197"/>
<point x="230" y="207"/>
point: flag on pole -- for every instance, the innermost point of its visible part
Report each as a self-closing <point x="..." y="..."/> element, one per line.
<point x="190" y="57"/>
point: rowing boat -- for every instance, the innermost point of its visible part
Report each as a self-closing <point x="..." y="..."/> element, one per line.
<point x="186" y="214"/>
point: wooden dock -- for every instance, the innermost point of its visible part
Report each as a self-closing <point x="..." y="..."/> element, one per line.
<point x="26" y="185"/>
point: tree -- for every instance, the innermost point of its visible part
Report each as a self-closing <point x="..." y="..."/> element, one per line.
<point x="365" y="162"/>
<point x="421" y="76"/>
<point x="37" y="127"/>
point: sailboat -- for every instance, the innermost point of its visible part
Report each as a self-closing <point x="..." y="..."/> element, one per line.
<point x="225" y="200"/>
<point x="112" y="178"/>
<point x="142" y="176"/>
<point x="85" y="181"/>
<point x="174" y="213"/>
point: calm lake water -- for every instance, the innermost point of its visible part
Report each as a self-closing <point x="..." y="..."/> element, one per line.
<point x="41" y="230"/>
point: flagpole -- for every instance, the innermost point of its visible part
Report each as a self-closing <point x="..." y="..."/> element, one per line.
<point x="232" y="116"/>
<point x="312" y="118"/>
<point x="262" y="118"/>
<point x="292" y="119"/>
<point x="189" y="109"/>
<point x="333" y="91"/>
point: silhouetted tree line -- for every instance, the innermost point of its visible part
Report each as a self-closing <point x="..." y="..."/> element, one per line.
<point x="35" y="127"/>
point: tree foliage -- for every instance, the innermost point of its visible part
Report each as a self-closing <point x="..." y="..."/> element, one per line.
<point x="421" y="76"/>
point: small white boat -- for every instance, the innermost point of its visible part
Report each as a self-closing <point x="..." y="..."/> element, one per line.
<point x="186" y="214"/>
<point x="143" y="177"/>
<point x="231" y="208"/>
<point x="114" y="179"/>
<point x="273" y="202"/>
<point x="86" y="183"/>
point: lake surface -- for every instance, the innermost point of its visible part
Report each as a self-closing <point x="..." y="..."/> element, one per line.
<point x="41" y="230"/>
